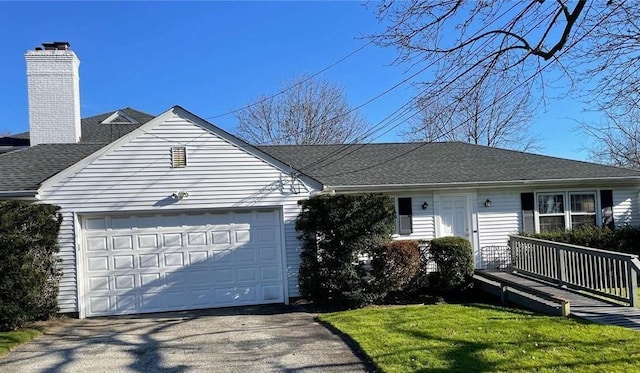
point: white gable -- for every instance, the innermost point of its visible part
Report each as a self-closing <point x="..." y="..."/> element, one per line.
<point x="135" y="174"/>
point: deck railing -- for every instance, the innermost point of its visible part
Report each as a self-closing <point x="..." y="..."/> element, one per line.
<point x="606" y="273"/>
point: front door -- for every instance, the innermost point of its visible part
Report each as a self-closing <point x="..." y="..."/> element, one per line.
<point x="454" y="216"/>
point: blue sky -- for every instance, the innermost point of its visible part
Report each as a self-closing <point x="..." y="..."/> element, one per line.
<point x="213" y="57"/>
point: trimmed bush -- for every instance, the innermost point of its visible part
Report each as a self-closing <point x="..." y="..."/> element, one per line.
<point x="337" y="233"/>
<point x="29" y="273"/>
<point x="625" y="239"/>
<point x="395" y="265"/>
<point x="454" y="258"/>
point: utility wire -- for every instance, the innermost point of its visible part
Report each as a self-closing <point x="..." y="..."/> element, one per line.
<point x="294" y="85"/>
<point x="378" y="126"/>
<point x="536" y="73"/>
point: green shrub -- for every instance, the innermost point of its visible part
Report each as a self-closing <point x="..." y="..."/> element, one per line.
<point x="624" y="239"/>
<point x="336" y="231"/>
<point x="29" y="273"/>
<point x="454" y="258"/>
<point x="395" y="265"/>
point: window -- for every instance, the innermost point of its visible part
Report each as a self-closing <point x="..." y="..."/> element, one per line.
<point x="583" y="209"/>
<point x="179" y="156"/>
<point x="557" y="212"/>
<point x="405" y="225"/>
<point x="551" y="211"/>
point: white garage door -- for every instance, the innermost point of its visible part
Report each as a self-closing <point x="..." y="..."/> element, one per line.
<point x="150" y="263"/>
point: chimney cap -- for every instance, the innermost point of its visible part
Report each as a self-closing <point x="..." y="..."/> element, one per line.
<point x="57" y="45"/>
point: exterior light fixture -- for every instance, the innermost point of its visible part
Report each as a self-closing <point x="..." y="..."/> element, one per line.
<point x="487" y="203"/>
<point x="425" y="205"/>
<point x="179" y="195"/>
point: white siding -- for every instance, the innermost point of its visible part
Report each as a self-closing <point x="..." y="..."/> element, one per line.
<point x="422" y="220"/>
<point x="625" y="207"/>
<point x="503" y="218"/>
<point x="137" y="177"/>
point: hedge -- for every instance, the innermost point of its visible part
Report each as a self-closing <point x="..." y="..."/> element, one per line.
<point x="337" y="233"/>
<point x="29" y="272"/>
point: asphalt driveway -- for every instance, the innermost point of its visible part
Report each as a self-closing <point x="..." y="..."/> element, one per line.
<point x="248" y="340"/>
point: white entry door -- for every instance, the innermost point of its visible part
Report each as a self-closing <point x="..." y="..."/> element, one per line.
<point x="454" y="217"/>
<point x="178" y="261"/>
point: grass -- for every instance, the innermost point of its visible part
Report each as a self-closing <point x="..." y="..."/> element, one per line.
<point x="483" y="338"/>
<point x="9" y="340"/>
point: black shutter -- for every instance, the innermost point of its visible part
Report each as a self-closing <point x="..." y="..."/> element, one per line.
<point x="606" y="204"/>
<point x="528" y="218"/>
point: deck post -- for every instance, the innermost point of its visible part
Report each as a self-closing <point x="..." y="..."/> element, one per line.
<point x="560" y="266"/>
<point x="503" y="294"/>
<point x="632" y="278"/>
<point x="565" y="307"/>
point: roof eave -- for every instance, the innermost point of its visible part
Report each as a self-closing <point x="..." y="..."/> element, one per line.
<point x="19" y="194"/>
<point x="484" y="184"/>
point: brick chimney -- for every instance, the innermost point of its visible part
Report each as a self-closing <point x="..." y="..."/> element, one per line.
<point x="54" y="94"/>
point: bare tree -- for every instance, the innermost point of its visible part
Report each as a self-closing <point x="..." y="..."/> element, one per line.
<point x="617" y="137"/>
<point x="455" y="117"/>
<point x="590" y="48"/>
<point x="308" y="111"/>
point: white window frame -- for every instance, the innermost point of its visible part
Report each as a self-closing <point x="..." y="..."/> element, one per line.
<point x="567" y="205"/>
<point x="595" y="207"/>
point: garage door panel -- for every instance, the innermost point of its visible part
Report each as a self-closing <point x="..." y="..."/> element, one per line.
<point x="99" y="305"/>
<point x="122" y="262"/>
<point x="242" y="236"/>
<point x="198" y="258"/>
<point x="272" y="292"/>
<point x="124" y="282"/>
<point x="99" y="283"/>
<point x="221" y="237"/>
<point x="98" y="264"/>
<point x="122" y="243"/>
<point x="197" y="239"/>
<point x="173" y="259"/>
<point x="246" y="275"/>
<point x="244" y="255"/>
<point x="151" y="263"/>
<point x="151" y="280"/>
<point x="269" y="273"/>
<point x="97" y="244"/>
<point x="147" y="241"/>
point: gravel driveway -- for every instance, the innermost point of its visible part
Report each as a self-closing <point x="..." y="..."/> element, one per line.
<point x="248" y="340"/>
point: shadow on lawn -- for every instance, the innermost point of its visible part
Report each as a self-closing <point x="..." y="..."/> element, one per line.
<point x="464" y="356"/>
<point x="370" y="366"/>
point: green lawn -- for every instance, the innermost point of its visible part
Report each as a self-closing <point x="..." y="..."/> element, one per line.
<point x="9" y="340"/>
<point x="482" y="338"/>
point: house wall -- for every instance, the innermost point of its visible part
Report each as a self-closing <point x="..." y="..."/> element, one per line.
<point x="626" y="207"/>
<point x="504" y="216"/>
<point x="137" y="177"/>
<point x="423" y="220"/>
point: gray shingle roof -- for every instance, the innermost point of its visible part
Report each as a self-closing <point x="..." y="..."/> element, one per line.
<point x="26" y="169"/>
<point x="93" y="131"/>
<point x="432" y="163"/>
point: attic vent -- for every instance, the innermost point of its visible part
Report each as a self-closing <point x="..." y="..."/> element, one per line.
<point x="179" y="156"/>
<point x="119" y="117"/>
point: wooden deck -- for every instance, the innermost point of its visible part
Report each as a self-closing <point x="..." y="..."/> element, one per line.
<point x="581" y="306"/>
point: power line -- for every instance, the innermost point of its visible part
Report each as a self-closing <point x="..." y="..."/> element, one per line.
<point x="309" y="167"/>
<point x="538" y="71"/>
<point x="294" y="85"/>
